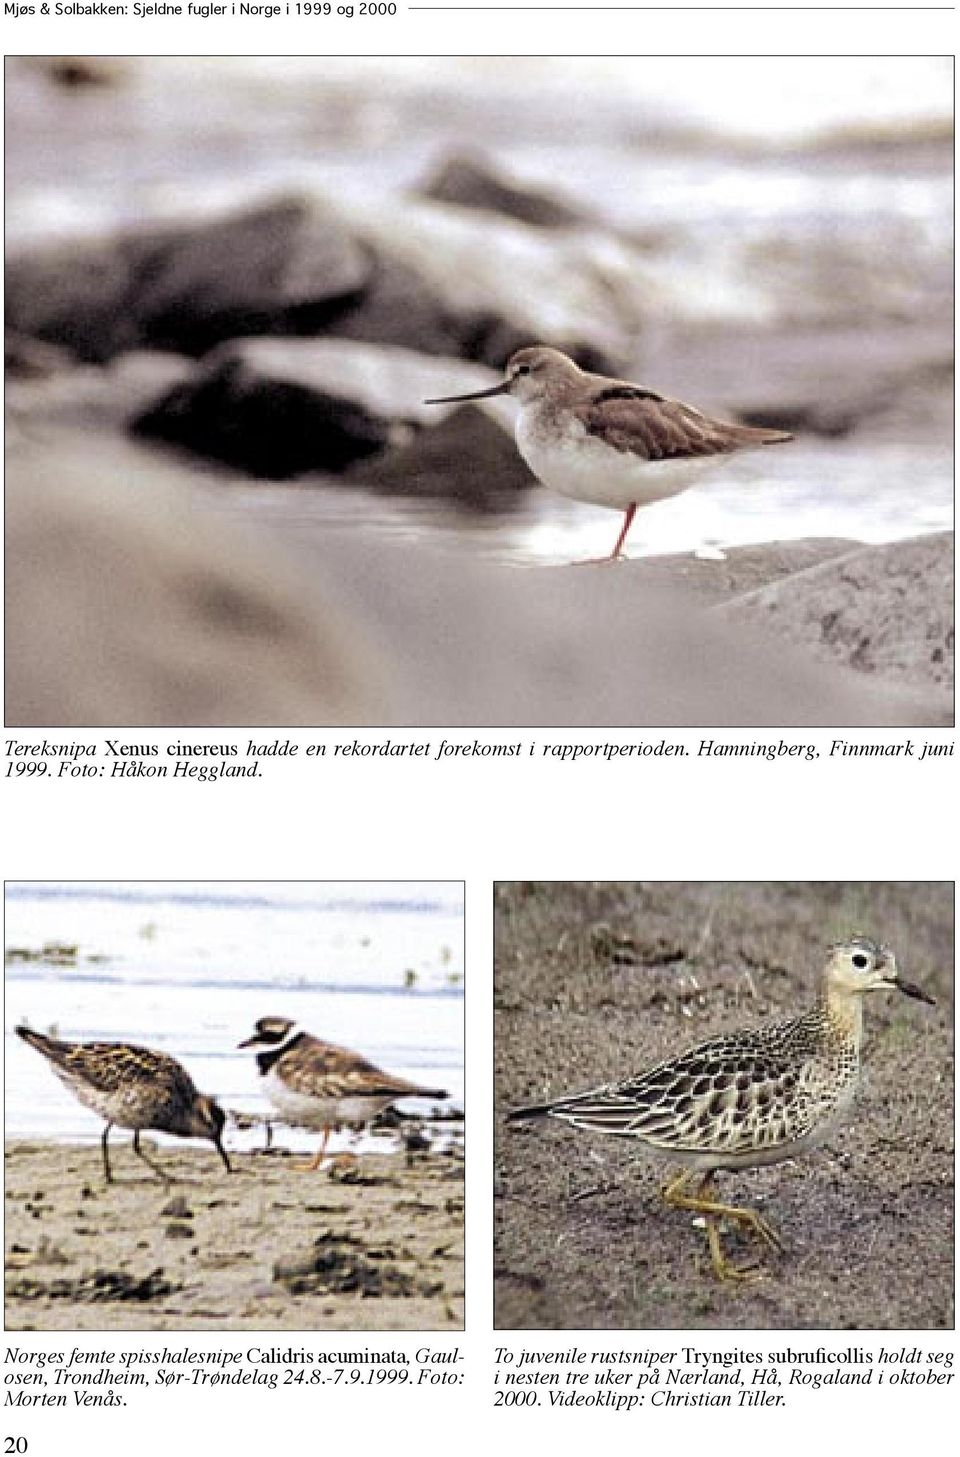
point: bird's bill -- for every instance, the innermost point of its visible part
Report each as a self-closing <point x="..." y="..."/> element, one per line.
<point x="222" y="1152"/>
<point x="498" y="389"/>
<point x="910" y="989"/>
<point x="249" y="1041"/>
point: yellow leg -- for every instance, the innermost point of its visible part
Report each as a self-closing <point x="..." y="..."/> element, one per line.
<point x="722" y="1267"/>
<point x="675" y="1196"/>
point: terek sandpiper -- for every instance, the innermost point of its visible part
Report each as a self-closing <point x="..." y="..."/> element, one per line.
<point x="133" y="1087"/>
<point x="316" y="1084"/>
<point x="610" y="442"/>
<point x="745" y="1098"/>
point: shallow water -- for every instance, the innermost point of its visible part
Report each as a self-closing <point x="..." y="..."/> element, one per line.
<point x="882" y="493"/>
<point x="188" y="967"/>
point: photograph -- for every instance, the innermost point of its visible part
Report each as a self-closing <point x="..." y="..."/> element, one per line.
<point x="234" y="1105"/>
<point x="325" y="372"/>
<point x="724" y="1105"/>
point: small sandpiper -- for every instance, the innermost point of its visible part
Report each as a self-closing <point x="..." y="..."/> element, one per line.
<point x="610" y="442"/>
<point x="316" y="1084"/>
<point x="133" y="1087"/>
<point x="745" y="1098"/>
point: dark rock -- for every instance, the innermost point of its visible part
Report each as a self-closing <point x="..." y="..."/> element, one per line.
<point x="296" y="268"/>
<point x="101" y="1285"/>
<point x="490" y="339"/>
<point x="616" y="946"/>
<point x="471" y="181"/>
<point x="81" y="72"/>
<point x="331" y="1266"/>
<point x="177" y="1208"/>
<point x="467" y="458"/>
<point x="398" y="307"/>
<point x="262" y="423"/>
<point x="77" y="296"/>
<point x="284" y="268"/>
<point x="346" y="1168"/>
<point x="390" y="382"/>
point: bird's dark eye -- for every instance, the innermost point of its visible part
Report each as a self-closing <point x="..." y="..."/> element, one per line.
<point x="523" y="369"/>
<point x="860" y="960"/>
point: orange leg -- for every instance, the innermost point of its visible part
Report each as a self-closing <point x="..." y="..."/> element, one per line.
<point x="317" y="1160"/>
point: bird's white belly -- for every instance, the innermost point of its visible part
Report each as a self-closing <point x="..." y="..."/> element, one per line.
<point x="582" y="467"/>
<point x="306" y="1111"/>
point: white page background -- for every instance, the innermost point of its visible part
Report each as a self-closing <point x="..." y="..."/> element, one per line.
<point x="483" y="821"/>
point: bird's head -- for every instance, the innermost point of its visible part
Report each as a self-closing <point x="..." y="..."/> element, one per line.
<point x="530" y="374"/>
<point x="858" y="965"/>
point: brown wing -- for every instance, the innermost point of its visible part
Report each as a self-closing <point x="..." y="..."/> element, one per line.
<point x="109" y="1065"/>
<point x="310" y="1062"/>
<point x="654" y="428"/>
<point x="732" y="1094"/>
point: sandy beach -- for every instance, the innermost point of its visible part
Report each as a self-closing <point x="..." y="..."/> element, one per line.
<point x="596" y="982"/>
<point x="270" y="1247"/>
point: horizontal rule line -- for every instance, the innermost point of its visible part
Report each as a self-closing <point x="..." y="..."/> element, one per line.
<point x="774" y="9"/>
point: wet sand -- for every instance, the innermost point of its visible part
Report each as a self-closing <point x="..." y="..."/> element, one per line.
<point x="270" y="1247"/>
<point x="598" y="981"/>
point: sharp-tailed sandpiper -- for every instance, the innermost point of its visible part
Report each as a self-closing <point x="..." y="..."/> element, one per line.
<point x="132" y="1087"/>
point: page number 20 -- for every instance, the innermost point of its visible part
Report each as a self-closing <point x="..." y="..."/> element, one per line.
<point x="14" y="1444"/>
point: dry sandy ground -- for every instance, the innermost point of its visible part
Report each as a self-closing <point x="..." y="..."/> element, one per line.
<point x="267" y="1248"/>
<point x="597" y="981"/>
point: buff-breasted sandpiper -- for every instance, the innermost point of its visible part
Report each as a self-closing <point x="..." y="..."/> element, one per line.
<point x="746" y="1098"/>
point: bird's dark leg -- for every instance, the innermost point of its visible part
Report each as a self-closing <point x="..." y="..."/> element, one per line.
<point x="106" y="1156"/>
<point x="160" y="1173"/>
<point x="222" y="1152"/>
